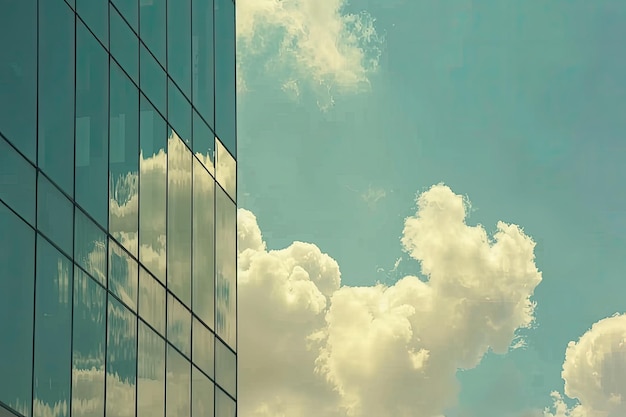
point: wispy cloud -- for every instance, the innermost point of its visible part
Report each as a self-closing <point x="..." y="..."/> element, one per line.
<point x="310" y="346"/>
<point x="308" y="41"/>
<point x="373" y="194"/>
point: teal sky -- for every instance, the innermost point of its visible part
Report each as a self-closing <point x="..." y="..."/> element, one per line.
<point x="517" y="105"/>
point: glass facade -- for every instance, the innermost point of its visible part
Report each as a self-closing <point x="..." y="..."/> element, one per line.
<point x="118" y="292"/>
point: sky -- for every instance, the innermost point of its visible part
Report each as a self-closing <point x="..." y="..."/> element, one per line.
<point x="431" y="214"/>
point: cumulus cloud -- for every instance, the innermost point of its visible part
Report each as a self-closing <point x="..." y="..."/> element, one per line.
<point x="594" y="372"/>
<point x="310" y="346"/>
<point x="315" y="41"/>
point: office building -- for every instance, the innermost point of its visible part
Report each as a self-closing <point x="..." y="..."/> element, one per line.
<point x="117" y="208"/>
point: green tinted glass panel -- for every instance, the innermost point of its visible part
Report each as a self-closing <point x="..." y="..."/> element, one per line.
<point x="55" y="217"/>
<point x="95" y="14"/>
<point x="130" y="10"/>
<point x="53" y="320"/>
<point x="150" y="373"/>
<point x="178" y="381"/>
<point x="56" y="93"/>
<point x="225" y="74"/>
<point x="202" y="58"/>
<point x="92" y="122"/>
<point x="124" y="45"/>
<point x="124" y="160"/>
<point x="90" y="247"/>
<point x="17" y="273"/>
<point x="153" y="81"/>
<point x="18" y="74"/>
<point x="179" y="112"/>
<point x="17" y="182"/>
<point x="88" y="346"/>
<point x="179" y="43"/>
<point x="153" y="16"/>
<point x="226" y="268"/>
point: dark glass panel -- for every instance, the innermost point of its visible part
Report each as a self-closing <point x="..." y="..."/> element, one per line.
<point x="225" y="74"/>
<point x="18" y="74"/>
<point x="17" y="182"/>
<point x="92" y="121"/>
<point x="178" y="325"/>
<point x="17" y="274"/>
<point x="121" y="360"/>
<point x="226" y="268"/>
<point x="224" y="405"/>
<point x="203" y="347"/>
<point x="153" y="80"/>
<point x="225" y="368"/>
<point x="124" y="160"/>
<point x="88" y="346"/>
<point x="202" y="395"/>
<point x="95" y="15"/>
<point x="203" y="143"/>
<point x="53" y="327"/>
<point x="130" y="10"/>
<point x="124" y="46"/>
<point x="202" y="59"/>
<point x="123" y="275"/>
<point x="226" y="170"/>
<point x="203" y="244"/>
<point x="178" y="388"/>
<point x="179" y="219"/>
<point x="152" y="190"/>
<point x="55" y="217"/>
<point x="150" y="373"/>
<point x="90" y="247"/>
<point x="151" y="301"/>
<point x="179" y="112"/>
<point x="179" y="43"/>
<point x="56" y="93"/>
<point x="153" y="16"/>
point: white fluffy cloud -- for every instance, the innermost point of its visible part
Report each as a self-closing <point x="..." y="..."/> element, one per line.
<point x="594" y="372"/>
<point x="312" y="347"/>
<point x="314" y="41"/>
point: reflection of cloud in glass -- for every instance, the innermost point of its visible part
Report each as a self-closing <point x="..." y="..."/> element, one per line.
<point x="123" y="209"/>
<point x="226" y="170"/>
<point x="226" y="270"/>
<point x="123" y="275"/>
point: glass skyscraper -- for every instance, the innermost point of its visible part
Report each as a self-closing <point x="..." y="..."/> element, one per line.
<point x="117" y="208"/>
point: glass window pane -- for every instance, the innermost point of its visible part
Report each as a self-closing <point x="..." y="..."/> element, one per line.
<point x="178" y="325"/>
<point x="153" y="80"/>
<point x="90" y="247"/>
<point x="179" y="43"/>
<point x="178" y="389"/>
<point x="53" y="320"/>
<point x="130" y="10"/>
<point x="152" y="15"/>
<point x="95" y="14"/>
<point x="17" y="274"/>
<point x="92" y="122"/>
<point x="151" y="301"/>
<point x="123" y="275"/>
<point x="202" y="395"/>
<point x="56" y="93"/>
<point x="121" y="360"/>
<point x="179" y="219"/>
<point x="226" y="170"/>
<point x="203" y="142"/>
<point x="226" y="268"/>
<point x="124" y="160"/>
<point x="179" y="112"/>
<point x="152" y="190"/>
<point x="203" y="347"/>
<point x="225" y="368"/>
<point x="225" y="73"/>
<point x="203" y="244"/>
<point x="124" y="45"/>
<point x="18" y="66"/>
<point x="224" y="405"/>
<point x="150" y="373"/>
<point x="55" y="217"/>
<point x="17" y="182"/>
<point x="202" y="52"/>
<point x="88" y="346"/>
